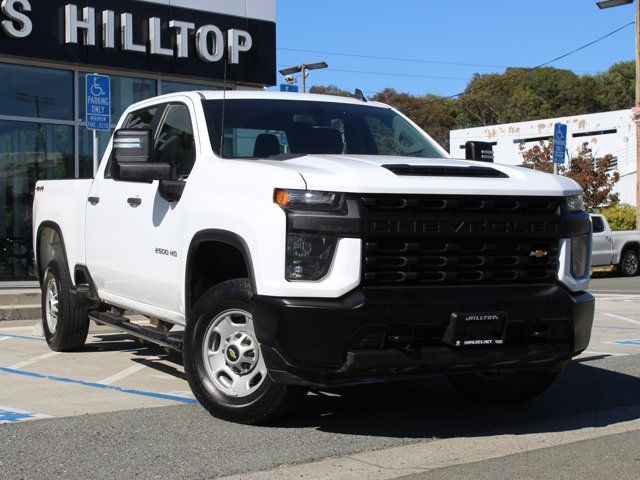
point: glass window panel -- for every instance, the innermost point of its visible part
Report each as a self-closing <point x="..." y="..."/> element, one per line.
<point x="28" y="152"/>
<point x="174" y="142"/>
<point x="124" y="92"/>
<point x="175" y="87"/>
<point x="36" y="92"/>
<point x="86" y="150"/>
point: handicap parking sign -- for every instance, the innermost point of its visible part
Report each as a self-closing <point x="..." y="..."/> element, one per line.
<point x="98" y="102"/>
<point x="560" y="143"/>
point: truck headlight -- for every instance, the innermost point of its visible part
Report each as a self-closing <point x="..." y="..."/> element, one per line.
<point x="579" y="255"/>
<point x="575" y="203"/>
<point x="309" y="256"/>
<point x="308" y="200"/>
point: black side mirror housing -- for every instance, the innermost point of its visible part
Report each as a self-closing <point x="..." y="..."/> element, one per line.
<point x="133" y="158"/>
<point x="171" y="190"/>
<point x="479" y="151"/>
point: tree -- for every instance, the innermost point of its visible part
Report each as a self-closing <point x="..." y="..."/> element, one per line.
<point x="430" y="112"/>
<point x="329" y="90"/>
<point x="616" y="87"/>
<point x="589" y="172"/>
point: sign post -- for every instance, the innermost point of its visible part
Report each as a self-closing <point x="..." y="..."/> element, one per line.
<point x="559" y="146"/>
<point x="98" y="109"/>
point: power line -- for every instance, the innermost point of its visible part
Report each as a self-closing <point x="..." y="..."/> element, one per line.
<point x="530" y="69"/>
<point x="391" y="74"/>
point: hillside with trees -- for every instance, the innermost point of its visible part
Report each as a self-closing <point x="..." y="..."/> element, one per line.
<point x="517" y="95"/>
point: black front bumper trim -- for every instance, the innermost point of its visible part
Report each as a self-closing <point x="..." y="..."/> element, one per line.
<point x="310" y="341"/>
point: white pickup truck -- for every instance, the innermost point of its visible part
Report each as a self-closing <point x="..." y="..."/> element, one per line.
<point x="307" y="241"/>
<point x="615" y="250"/>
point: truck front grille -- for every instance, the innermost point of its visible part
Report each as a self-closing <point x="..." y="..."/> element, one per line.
<point x="414" y="261"/>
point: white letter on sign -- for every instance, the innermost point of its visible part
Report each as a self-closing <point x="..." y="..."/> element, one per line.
<point x="72" y="25"/>
<point x="202" y="42"/>
<point x="15" y="17"/>
<point x="239" y="41"/>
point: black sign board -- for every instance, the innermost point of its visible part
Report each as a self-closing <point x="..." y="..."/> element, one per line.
<point x="159" y="38"/>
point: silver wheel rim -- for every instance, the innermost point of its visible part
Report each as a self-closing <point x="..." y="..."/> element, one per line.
<point x="231" y="354"/>
<point x="631" y="263"/>
<point x="52" y="305"/>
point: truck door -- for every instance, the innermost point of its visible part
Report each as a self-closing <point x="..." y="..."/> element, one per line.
<point x="602" y="243"/>
<point x="133" y="234"/>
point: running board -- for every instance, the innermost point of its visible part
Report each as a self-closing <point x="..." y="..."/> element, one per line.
<point x="150" y="334"/>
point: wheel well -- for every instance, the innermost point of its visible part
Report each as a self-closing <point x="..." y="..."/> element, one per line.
<point x="50" y="246"/>
<point x="211" y="263"/>
<point x="635" y="246"/>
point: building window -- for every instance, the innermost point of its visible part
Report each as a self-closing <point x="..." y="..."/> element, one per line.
<point x="34" y="92"/>
<point x="28" y="152"/>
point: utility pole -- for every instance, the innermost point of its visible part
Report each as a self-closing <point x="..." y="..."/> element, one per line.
<point x="637" y="122"/>
<point x="304" y="71"/>
<point x="604" y="4"/>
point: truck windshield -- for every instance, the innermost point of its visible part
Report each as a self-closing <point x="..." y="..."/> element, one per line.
<point x="268" y="128"/>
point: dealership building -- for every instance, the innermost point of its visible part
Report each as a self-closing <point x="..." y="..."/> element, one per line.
<point x="607" y="133"/>
<point x="146" y="47"/>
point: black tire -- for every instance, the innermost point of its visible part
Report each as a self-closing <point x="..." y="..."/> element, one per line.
<point x="269" y="401"/>
<point x="629" y="264"/>
<point x="508" y="388"/>
<point x="72" y="327"/>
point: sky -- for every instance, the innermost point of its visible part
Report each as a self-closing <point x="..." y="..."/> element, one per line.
<point x="490" y="33"/>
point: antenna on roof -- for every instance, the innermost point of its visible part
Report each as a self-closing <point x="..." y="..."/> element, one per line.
<point x="360" y="96"/>
<point x="224" y="101"/>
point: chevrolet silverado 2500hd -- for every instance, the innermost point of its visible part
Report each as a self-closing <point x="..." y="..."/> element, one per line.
<point x="307" y="241"/>
<point x="615" y="250"/>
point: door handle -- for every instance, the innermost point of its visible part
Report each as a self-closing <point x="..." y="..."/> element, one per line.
<point x="94" y="200"/>
<point x="134" y="202"/>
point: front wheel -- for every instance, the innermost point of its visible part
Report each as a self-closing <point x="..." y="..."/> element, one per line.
<point x="65" y="326"/>
<point x="629" y="264"/>
<point x="505" y="388"/>
<point x="223" y="362"/>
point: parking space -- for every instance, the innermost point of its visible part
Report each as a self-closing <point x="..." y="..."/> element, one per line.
<point x="113" y="372"/>
<point x="116" y="372"/>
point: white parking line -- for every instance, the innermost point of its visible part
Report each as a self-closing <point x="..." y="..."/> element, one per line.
<point x="609" y="354"/>
<point x="2" y="339"/>
<point x="619" y="317"/>
<point x="33" y="360"/>
<point x="120" y="375"/>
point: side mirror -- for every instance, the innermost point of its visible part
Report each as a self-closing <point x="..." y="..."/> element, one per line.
<point x="479" y="151"/>
<point x="133" y="158"/>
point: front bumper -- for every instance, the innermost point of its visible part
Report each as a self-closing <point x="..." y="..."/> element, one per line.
<point x="381" y="334"/>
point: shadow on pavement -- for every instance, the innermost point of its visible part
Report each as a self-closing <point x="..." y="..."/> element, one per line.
<point x="583" y="396"/>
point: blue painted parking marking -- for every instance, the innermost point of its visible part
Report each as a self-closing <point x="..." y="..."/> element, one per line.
<point x="84" y="383"/>
<point x="11" y="415"/>
<point x="631" y="343"/>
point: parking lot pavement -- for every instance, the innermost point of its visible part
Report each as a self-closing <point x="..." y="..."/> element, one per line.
<point x="121" y="399"/>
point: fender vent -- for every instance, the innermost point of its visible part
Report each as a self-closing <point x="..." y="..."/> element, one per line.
<point x="444" y="171"/>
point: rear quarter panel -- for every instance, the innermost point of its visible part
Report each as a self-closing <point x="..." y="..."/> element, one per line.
<point x="62" y="203"/>
<point x="621" y="240"/>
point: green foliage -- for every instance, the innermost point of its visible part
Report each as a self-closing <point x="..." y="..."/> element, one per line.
<point x="620" y="217"/>
<point x="517" y="95"/>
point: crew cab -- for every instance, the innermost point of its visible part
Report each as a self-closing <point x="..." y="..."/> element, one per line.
<point x="303" y="241"/>
<point x="615" y="250"/>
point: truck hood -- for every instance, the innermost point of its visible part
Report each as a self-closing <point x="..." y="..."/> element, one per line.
<point x="366" y="174"/>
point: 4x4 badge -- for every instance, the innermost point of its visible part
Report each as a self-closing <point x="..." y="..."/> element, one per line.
<point x="539" y="253"/>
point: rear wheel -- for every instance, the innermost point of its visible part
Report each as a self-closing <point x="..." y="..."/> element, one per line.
<point x="223" y="362"/>
<point x="629" y="263"/>
<point x="505" y="388"/>
<point x="65" y="326"/>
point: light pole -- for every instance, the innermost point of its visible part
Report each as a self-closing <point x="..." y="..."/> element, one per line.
<point x="616" y="3"/>
<point x="303" y="69"/>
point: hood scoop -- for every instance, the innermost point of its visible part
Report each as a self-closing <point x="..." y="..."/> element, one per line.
<point x="445" y="171"/>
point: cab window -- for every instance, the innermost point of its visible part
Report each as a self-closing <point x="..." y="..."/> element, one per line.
<point x="174" y="141"/>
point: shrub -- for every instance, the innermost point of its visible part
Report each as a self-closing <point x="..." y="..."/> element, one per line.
<point x="620" y="217"/>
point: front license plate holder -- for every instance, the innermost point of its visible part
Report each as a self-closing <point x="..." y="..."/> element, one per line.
<point x="475" y="329"/>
